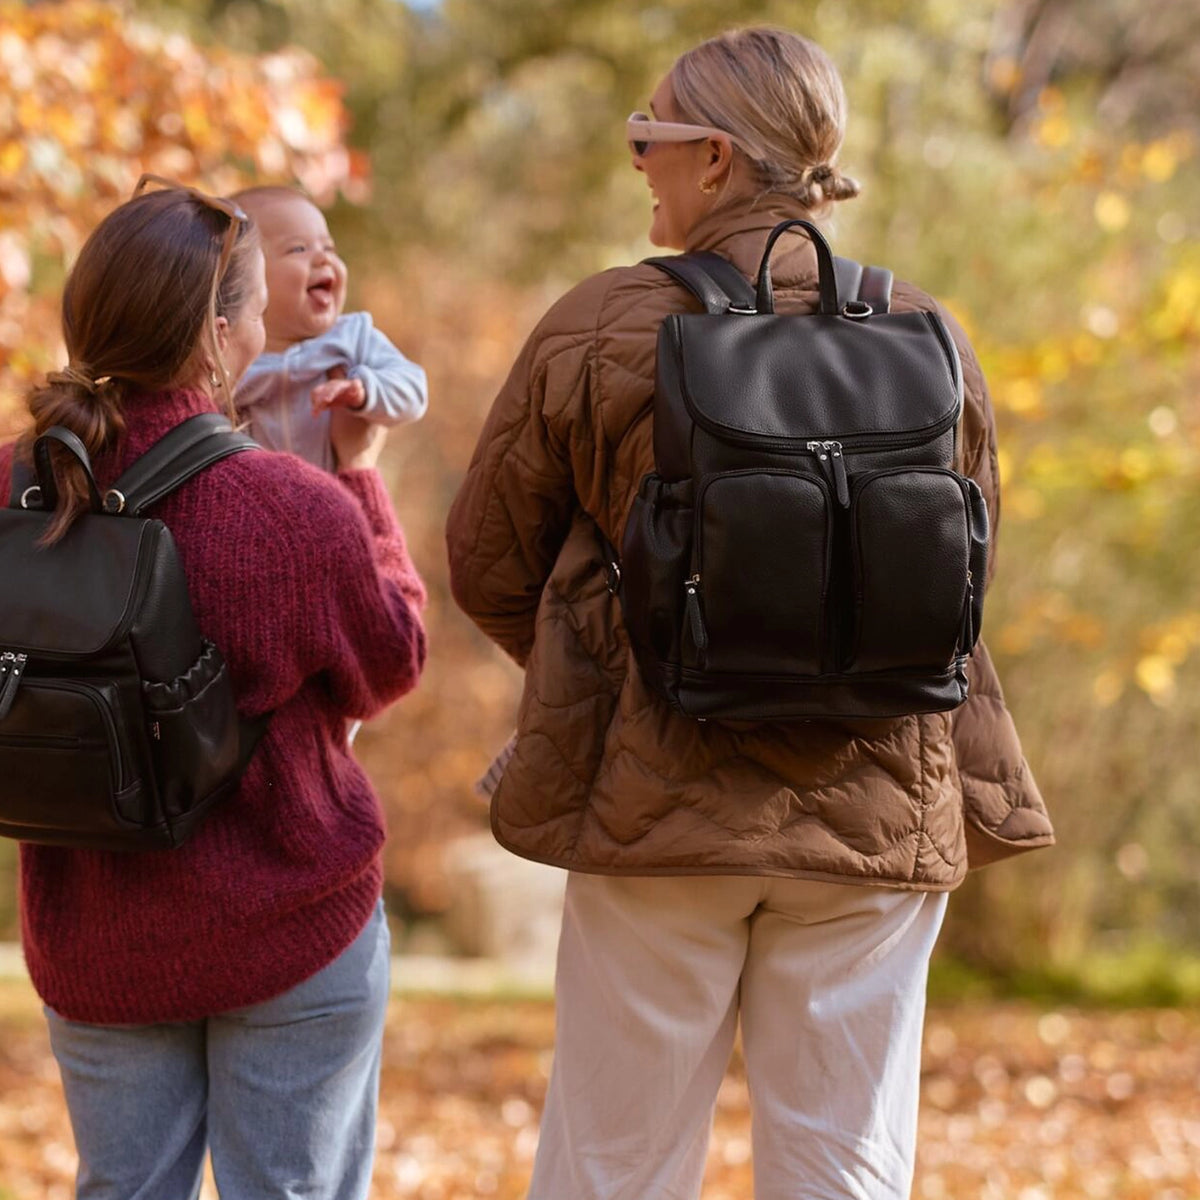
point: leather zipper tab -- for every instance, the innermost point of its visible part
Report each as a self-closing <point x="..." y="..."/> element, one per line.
<point x="966" y="638"/>
<point x="833" y="467"/>
<point x="695" y="615"/>
<point x="12" y="664"/>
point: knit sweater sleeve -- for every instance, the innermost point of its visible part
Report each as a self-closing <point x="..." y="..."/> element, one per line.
<point x="335" y="594"/>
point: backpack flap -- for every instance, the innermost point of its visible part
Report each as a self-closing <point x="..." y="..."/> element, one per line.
<point x="118" y="727"/>
<point x="76" y="598"/>
<point x="788" y="380"/>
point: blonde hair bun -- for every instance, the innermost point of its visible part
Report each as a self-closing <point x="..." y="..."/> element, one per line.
<point x="781" y="98"/>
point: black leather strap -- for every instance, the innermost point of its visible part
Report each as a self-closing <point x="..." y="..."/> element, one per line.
<point x="44" y="464"/>
<point x="876" y="288"/>
<point x="826" y="277"/>
<point x="719" y="285"/>
<point x="187" y="450"/>
<point x="689" y="270"/>
<point x="849" y="275"/>
<point x="731" y="281"/>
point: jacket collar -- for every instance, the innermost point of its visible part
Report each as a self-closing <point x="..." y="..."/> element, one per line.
<point x="738" y="231"/>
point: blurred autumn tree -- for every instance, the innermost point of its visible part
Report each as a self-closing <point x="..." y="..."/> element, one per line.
<point x="1033" y="162"/>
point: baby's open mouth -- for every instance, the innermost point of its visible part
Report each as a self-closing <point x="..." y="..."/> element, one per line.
<point x="321" y="294"/>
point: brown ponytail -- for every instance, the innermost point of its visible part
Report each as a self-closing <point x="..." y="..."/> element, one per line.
<point x="138" y="316"/>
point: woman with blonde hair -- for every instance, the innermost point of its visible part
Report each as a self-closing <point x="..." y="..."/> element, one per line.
<point x="790" y="876"/>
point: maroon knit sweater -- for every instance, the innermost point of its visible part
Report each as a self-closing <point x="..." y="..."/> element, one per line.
<point x="303" y="582"/>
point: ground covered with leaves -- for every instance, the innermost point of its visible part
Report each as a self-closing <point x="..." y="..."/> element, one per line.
<point x="1018" y="1103"/>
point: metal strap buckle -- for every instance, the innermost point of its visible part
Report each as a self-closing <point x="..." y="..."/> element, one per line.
<point x="31" y="495"/>
<point x="612" y="577"/>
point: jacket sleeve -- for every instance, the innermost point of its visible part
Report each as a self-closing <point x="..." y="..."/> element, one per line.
<point x="977" y="443"/>
<point x="512" y="513"/>
<point x="1003" y="810"/>
<point x="346" y="598"/>
<point x="397" y="390"/>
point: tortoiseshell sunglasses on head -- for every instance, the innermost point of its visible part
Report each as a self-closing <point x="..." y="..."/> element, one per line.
<point x="236" y="214"/>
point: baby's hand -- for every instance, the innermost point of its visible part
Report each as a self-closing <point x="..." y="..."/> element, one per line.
<point x="338" y="392"/>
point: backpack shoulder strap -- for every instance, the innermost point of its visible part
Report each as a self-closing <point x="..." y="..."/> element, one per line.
<point x="197" y="443"/>
<point x="187" y="450"/>
<point x="713" y="280"/>
<point x="870" y="284"/>
<point x="720" y="286"/>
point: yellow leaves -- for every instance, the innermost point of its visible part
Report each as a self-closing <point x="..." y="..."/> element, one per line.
<point x="1160" y="161"/>
<point x="1156" y="677"/>
<point x="1053" y="131"/>
<point x="1177" y="315"/>
<point x="1050" y="617"/>
<point x="1163" y="650"/>
<point x="12" y="159"/>
<point x="1112" y="211"/>
<point x="1022" y="396"/>
<point x="91" y="95"/>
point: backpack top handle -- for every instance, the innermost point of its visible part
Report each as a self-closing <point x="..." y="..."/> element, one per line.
<point x="765" y="296"/>
<point x="44" y="465"/>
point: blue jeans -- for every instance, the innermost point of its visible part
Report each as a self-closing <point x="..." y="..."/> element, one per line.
<point x="284" y="1093"/>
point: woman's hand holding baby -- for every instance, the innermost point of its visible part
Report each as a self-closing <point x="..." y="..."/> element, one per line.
<point x="356" y="443"/>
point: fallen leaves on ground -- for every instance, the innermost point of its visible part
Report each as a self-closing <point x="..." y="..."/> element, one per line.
<point x="1017" y="1104"/>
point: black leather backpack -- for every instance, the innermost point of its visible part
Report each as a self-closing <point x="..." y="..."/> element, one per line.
<point x="117" y="721"/>
<point x="804" y="547"/>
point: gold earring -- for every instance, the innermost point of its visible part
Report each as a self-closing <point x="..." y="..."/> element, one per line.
<point x="214" y="378"/>
<point x="707" y="187"/>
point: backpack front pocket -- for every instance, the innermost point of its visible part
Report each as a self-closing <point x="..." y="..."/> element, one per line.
<point x="756" y="599"/>
<point x="62" y="759"/>
<point x="911" y="542"/>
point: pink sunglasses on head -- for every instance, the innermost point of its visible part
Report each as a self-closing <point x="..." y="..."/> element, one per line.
<point x="641" y="130"/>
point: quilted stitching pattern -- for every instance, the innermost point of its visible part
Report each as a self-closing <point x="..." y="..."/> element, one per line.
<point x="605" y="778"/>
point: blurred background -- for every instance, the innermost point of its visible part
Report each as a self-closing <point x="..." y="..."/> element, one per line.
<point x="1032" y="162"/>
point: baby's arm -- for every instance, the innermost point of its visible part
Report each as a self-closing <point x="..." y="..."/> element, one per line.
<point x="395" y="388"/>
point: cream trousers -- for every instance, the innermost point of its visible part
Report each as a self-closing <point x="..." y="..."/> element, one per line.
<point x="654" y="973"/>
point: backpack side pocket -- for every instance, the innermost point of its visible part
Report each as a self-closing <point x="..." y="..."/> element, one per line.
<point x="193" y="728"/>
<point x="655" y="553"/>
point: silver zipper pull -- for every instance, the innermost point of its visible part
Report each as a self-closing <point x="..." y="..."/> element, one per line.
<point x="833" y="467"/>
<point x="11" y="666"/>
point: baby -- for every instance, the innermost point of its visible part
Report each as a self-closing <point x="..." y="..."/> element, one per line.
<point x="318" y="365"/>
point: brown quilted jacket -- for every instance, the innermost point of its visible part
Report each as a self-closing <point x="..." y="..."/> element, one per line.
<point x="606" y="778"/>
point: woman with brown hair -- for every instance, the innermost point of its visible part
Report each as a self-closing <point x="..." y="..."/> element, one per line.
<point x="788" y="876"/>
<point x="228" y="994"/>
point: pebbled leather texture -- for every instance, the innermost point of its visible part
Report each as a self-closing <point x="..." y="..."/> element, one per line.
<point x="804" y="377"/>
<point x="122" y="731"/>
<point x="805" y="547"/>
